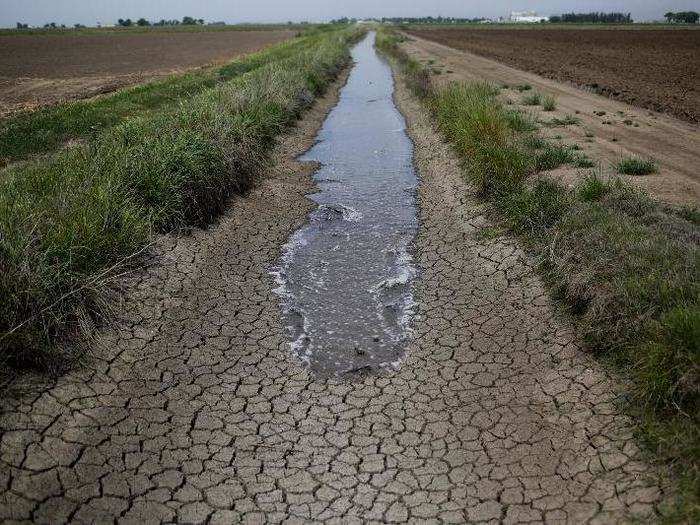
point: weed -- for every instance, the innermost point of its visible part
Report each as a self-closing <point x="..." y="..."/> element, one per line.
<point x="520" y="122"/>
<point x="567" y="120"/>
<point x="635" y="166"/>
<point x="582" y="161"/>
<point x="592" y="188"/>
<point x="488" y="233"/>
<point x="549" y="103"/>
<point x="523" y="87"/>
<point x="553" y="156"/>
<point x="534" y="142"/>
<point x="533" y="99"/>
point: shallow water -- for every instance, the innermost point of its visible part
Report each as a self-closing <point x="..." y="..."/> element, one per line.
<point x="345" y="277"/>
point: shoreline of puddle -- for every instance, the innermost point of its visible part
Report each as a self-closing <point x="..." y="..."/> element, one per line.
<point x="345" y="277"/>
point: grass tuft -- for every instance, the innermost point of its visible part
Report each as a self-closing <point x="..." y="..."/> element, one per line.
<point x="635" y="166"/>
<point x="549" y="103"/>
<point x="567" y="120"/>
<point x="532" y="99"/>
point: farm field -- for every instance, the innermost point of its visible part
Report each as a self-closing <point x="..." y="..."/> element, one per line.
<point x="652" y="68"/>
<point x="42" y="69"/>
<point x="605" y="130"/>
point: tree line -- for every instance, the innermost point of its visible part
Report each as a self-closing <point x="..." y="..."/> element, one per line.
<point x="142" y="22"/>
<point x="684" y="17"/>
<point x="592" y="18"/>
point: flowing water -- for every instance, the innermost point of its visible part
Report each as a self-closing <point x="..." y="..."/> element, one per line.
<point x="345" y="278"/>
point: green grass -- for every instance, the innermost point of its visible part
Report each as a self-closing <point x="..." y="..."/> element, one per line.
<point x="46" y="130"/>
<point x="567" y="120"/>
<point x="635" y="166"/>
<point x="549" y="103"/>
<point x="523" y="87"/>
<point x="625" y="266"/>
<point x="532" y="99"/>
<point x="70" y="221"/>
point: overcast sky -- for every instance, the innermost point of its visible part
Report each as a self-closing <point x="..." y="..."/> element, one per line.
<point x="88" y="12"/>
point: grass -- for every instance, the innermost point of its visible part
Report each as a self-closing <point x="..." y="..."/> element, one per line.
<point x="70" y="221"/>
<point x="567" y="120"/>
<point x="549" y="103"/>
<point x="532" y="99"/>
<point x="626" y="267"/>
<point x="635" y="166"/>
<point x="523" y="87"/>
<point x="48" y="129"/>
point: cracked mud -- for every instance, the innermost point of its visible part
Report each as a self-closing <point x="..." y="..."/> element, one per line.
<point x="193" y="410"/>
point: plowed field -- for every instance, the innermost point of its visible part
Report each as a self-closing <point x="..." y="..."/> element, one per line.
<point x="36" y="70"/>
<point x="656" y="69"/>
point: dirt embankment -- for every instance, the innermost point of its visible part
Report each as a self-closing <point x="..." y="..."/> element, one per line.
<point x="656" y="69"/>
<point x="37" y="70"/>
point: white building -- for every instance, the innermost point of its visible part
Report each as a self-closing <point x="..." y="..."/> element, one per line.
<point x="527" y="17"/>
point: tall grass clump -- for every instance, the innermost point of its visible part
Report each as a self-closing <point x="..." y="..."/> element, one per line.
<point x="71" y="221"/>
<point x="626" y="267"/>
<point x="532" y="99"/>
<point x="481" y="131"/>
<point x="635" y="166"/>
<point x="549" y="103"/>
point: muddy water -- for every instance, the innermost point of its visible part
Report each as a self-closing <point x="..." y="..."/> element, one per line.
<point x="345" y="277"/>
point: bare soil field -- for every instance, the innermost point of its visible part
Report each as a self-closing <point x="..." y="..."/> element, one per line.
<point x="37" y="70"/>
<point x="652" y="68"/>
<point x="605" y="130"/>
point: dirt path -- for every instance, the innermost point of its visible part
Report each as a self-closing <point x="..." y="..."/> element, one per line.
<point x="193" y="410"/>
<point x="601" y="133"/>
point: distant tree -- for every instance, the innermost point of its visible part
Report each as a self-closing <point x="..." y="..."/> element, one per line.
<point x="142" y="22"/>
<point x="687" y="17"/>
<point x="51" y="25"/>
<point x="200" y="21"/>
<point x="78" y="26"/>
<point x="188" y="21"/>
<point x="684" y="17"/>
<point x="440" y="20"/>
<point x="125" y="23"/>
<point x="592" y="18"/>
<point x="20" y="25"/>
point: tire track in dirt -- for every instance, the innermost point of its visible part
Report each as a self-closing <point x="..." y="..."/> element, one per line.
<point x="193" y="410"/>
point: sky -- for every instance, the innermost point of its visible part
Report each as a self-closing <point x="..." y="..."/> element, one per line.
<point x="89" y="12"/>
